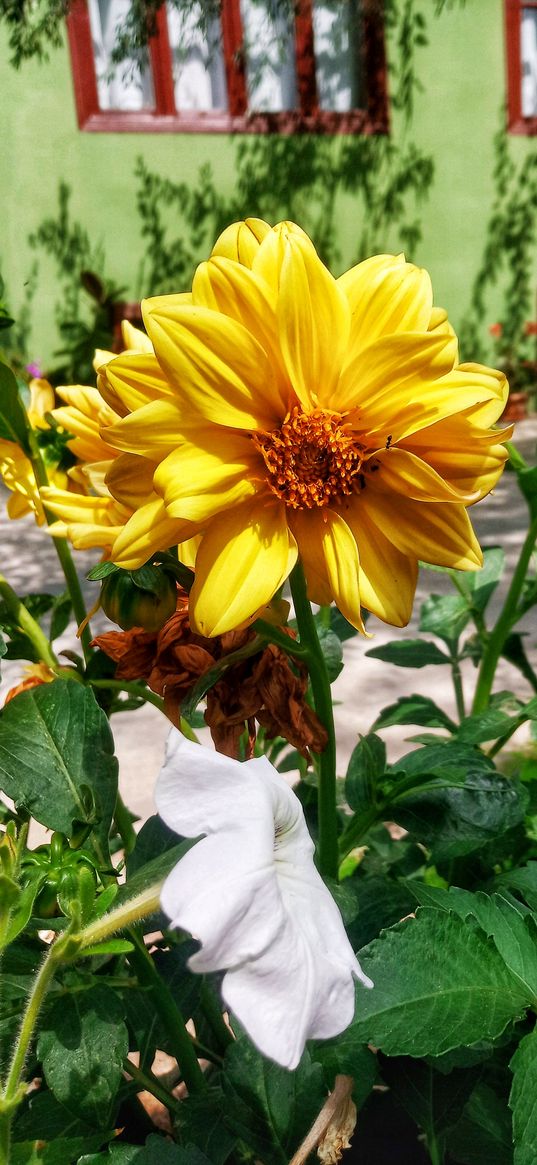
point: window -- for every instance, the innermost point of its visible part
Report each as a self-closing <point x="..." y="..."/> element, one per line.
<point x="313" y="65"/>
<point x="521" y="42"/>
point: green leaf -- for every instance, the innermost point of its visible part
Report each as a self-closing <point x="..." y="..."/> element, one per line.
<point x="522" y="1100"/>
<point x="156" y="1151"/>
<point x="266" y="1106"/>
<point x="56" y="759"/>
<point x="414" y="710"/>
<point x="343" y="629"/>
<point x="455" y="821"/>
<point x="61" y="613"/>
<point x="102" y="570"/>
<point x="154" y="871"/>
<point x="481" y="584"/>
<point x="523" y="880"/>
<point x="13" y="421"/>
<point x="439" y="983"/>
<point x="409" y="653"/>
<point x="202" y="1121"/>
<point x="527" y="480"/>
<point x="366" y="766"/>
<point x="346" y="1055"/>
<point x="496" y="721"/>
<point x="445" y="616"/>
<point x="514" y="933"/>
<point x="82" y="1044"/>
<point x="483" y="1134"/>
<point x="112" y="946"/>
<point x="59" y="1152"/>
<point x="382" y="902"/>
<point x="43" y="1118"/>
<point x="434" y="1101"/>
<point x="332" y="652"/>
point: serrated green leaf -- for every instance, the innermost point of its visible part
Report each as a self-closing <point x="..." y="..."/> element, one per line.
<point x="156" y="1151"/>
<point x="483" y="1134"/>
<point x="445" y="616"/>
<point x="458" y="819"/>
<point x="513" y="932"/>
<point x="82" y="1045"/>
<point x="439" y="983"/>
<point x="57" y="761"/>
<point x="202" y="1122"/>
<point x="366" y="766"/>
<point x="409" y="653"/>
<point x="266" y="1106"/>
<point x="12" y="415"/>
<point x="414" y="710"/>
<point x="522" y="1100"/>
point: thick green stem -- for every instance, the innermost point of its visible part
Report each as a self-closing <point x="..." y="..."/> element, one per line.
<point x="27" y="624"/>
<point x="505" y="622"/>
<point x="328" y="824"/>
<point x="62" y="550"/>
<point x="174" y="1024"/>
<point x="147" y="1082"/>
<point x="213" y="1014"/>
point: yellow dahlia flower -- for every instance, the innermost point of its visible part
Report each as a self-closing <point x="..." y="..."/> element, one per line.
<point x="16" y="469"/>
<point x="298" y="414"/>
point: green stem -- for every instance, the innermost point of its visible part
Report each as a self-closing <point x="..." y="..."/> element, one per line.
<point x="62" y="549"/>
<point x="124" y="825"/>
<point x="457" y="686"/>
<point x="272" y="634"/>
<point x="125" y="915"/>
<point x="27" y="624"/>
<point x="434" y="1150"/>
<point x="213" y="1014"/>
<point x="166" y="1007"/>
<point x="137" y="689"/>
<point x="328" y="823"/>
<point x="504" y="623"/>
<point x="148" y="1083"/>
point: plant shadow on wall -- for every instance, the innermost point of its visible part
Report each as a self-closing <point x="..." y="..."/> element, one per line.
<point x="508" y="263"/>
<point x="380" y="181"/>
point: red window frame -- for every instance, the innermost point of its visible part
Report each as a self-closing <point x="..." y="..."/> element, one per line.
<point x="166" y="119"/>
<point x="516" y="122"/>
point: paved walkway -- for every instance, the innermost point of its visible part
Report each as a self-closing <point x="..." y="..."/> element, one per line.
<point x="365" y="686"/>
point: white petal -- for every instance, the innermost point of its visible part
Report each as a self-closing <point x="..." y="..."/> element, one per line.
<point x="225" y="893"/>
<point x="200" y="791"/>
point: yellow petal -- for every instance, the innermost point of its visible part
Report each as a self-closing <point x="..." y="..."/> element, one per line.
<point x="395" y="372"/>
<point x="402" y="472"/>
<point x="240" y="241"/>
<point x="270" y="255"/>
<point x="152" y="431"/>
<point x="187" y="551"/>
<point x="386" y="295"/>
<point x="147" y="531"/>
<point x="130" y="381"/>
<point x="318" y="586"/>
<point x="243" y="559"/>
<point x="489" y="412"/>
<point x="134" y="339"/>
<point x="437" y="532"/>
<point x="387" y="576"/>
<point x="130" y="479"/>
<point x="41" y="401"/>
<point x="18" y="506"/>
<point x="216" y="366"/>
<point x="314" y="321"/>
<point x="75" y="508"/>
<point x="326" y="534"/>
<point x="200" y="479"/>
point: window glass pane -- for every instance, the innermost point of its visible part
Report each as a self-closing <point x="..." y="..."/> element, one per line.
<point x="198" y="65"/>
<point x="337" y="33"/>
<point x="269" y="47"/>
<point x="126" y="86"/>
<point x="528" y="53"/>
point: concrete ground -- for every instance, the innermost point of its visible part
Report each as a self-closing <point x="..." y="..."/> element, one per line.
<point x="365" y="686"/>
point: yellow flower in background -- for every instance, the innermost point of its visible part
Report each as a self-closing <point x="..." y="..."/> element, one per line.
<point x="290" y="413"/>
<point x="118" y="487"/>
<point x="16" y="468"/>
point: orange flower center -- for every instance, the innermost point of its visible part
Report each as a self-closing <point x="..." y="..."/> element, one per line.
<point x="312" y="459"/>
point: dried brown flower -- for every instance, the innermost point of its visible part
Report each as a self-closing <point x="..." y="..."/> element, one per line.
<point x="263" y="686"/>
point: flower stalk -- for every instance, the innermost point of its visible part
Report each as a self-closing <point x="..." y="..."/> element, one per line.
<point x="328" y="824"/>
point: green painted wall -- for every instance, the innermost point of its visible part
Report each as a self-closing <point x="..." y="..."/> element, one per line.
<point x="463" y="77"/>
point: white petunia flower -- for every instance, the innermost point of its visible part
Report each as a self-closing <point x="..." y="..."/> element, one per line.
<point x="250" y="893"/>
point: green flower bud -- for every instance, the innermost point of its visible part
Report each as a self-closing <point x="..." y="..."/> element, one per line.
<point x="139" y="598"/>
